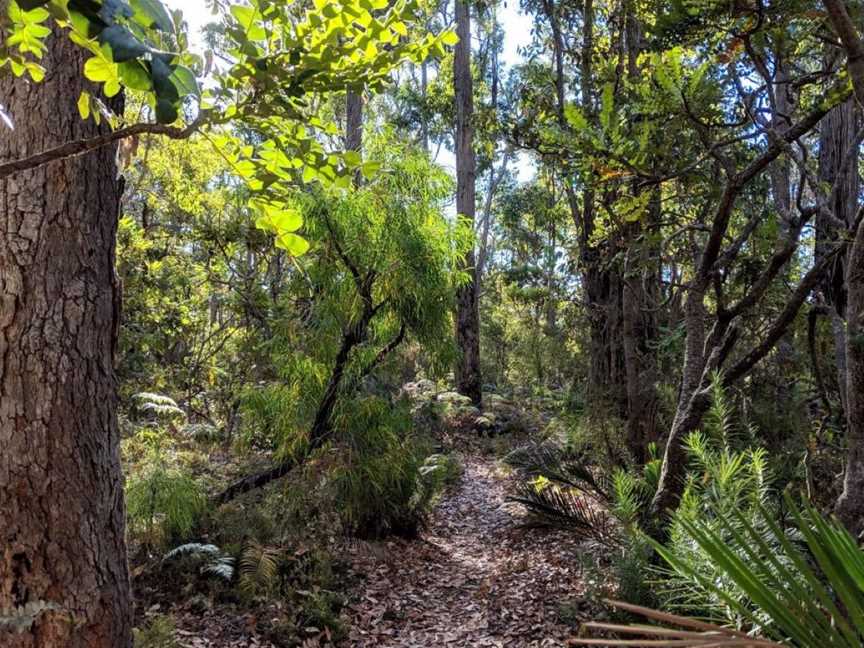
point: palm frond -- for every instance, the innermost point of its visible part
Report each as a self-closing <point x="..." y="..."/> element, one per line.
<point x="566" y="508"/>
<point x="259" y="568"/>
<point x="561" y="466"/>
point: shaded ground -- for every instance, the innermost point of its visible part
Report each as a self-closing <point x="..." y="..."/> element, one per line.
<point x="474" y="579"/>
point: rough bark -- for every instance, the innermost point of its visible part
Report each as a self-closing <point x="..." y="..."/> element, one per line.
<point x="468" y="379"/>
<point x="850" y="505"/>
<point x="639" y="293"/>
<point x="836" y="137"/>
<point x="64" y="580"/>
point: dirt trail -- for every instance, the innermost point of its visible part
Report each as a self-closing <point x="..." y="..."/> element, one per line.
<point x="474" y="579"/>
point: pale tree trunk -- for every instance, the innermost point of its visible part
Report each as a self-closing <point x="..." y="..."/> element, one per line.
<point x="354" y="127"/>
<point x="64" y="581"/>
<point x="468" y="380"/>
<point x="424" y="90"/>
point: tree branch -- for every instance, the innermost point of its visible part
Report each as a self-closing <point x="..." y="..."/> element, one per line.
<point x="80" y="147"/>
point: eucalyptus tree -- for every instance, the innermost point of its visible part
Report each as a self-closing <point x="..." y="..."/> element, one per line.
<point x="616" y="251"/>
<point x="468" y="379"/>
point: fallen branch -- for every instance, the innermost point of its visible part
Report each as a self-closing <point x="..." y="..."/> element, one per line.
<point x="253" y="482"/>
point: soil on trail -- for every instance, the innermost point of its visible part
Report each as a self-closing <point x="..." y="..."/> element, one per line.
<point x="475" y="577"/>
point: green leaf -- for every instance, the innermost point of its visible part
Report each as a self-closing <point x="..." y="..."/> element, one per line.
<point x="369" y="169"/>
<point x="134" y="76"/>
<point x="166" y="111"/>
<point x="276" y="219"/>
<point x="124" y="46"/>
<point x="162" y="83"/>
<point x="353" y="158"/>
<point x="246" y="16"/>
<point x="99" y="70"/>
<point x="151" y="13"/>
<point x="84" y="105"/>
<point x="449" y="38"/>
<point x="184" y="80"/>
<point x="293" y="244"/>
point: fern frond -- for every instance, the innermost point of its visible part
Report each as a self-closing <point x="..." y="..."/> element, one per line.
<point x="215" y="563"/>
<point x="192" y="549"/>
<point x="151" y="397"/>
<point x="221" y="567"/>
<point x="259" y="568"/>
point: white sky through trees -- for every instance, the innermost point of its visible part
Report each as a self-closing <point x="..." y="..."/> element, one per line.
<point x="517" y="33"/>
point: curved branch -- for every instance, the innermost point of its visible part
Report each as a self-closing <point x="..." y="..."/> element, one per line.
<point x="80" y="147"/>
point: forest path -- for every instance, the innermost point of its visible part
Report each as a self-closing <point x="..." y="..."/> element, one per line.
<point x="475" y="578"/>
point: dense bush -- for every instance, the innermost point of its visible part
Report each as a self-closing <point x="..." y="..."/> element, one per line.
<point x="163" y="501"/>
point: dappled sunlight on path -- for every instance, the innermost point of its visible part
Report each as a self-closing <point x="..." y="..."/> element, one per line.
<point x="475" y="578"/>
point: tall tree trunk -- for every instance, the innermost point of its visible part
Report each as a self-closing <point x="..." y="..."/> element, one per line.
<point x="424" y="90"/>
<point x="64" y="580"/>
<point x="850" y="506"/>
<point x="468" y="380"/>
<point x="836" y="137"/>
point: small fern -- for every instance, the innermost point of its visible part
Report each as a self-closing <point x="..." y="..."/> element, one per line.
<point x="158" y="405"/>
<point x="259" y="569"/>
<point x="211" y="559"/>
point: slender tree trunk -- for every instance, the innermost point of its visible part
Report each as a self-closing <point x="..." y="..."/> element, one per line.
<point x="64" y="581"/>
<point x="424" y="90"/>
<point x="468" y="380"/>
<point x="354" y="127"/>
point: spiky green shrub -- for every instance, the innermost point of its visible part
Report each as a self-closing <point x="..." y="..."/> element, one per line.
<point x="798" y="594"/>
<point x="724" y="483"/>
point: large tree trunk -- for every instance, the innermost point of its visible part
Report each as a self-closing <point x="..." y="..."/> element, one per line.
<point x="850" y="506"/>
<point x="64" y="580"/>
<point x="836" y="137"/>
<point x="468" y="380"/>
